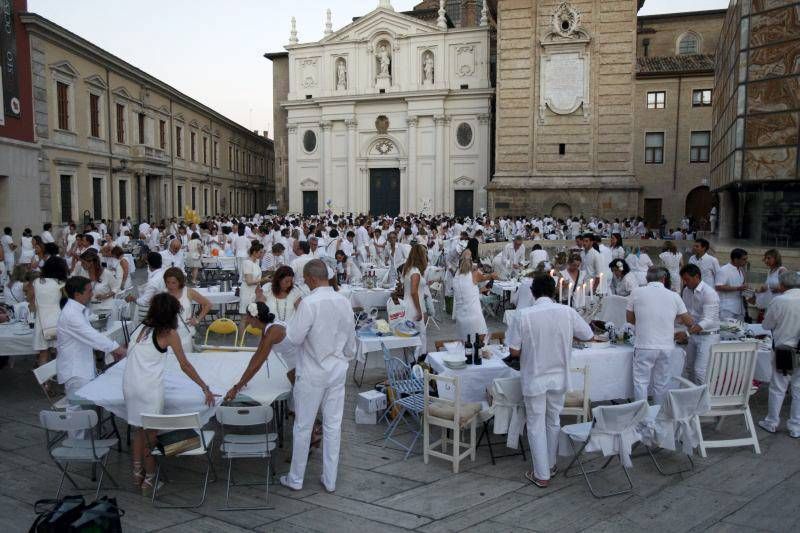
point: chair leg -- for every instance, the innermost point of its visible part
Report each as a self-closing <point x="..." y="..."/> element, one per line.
<point x="585" y="473"/>
<point x="661" y="470"/>
<point x="748" y="418"/>
<point x="488" y="441"/>
<point x="426" y="442"/>
<point x="703" y="453"/>
<point x="456" y="449"/>
<point x="472" y="442"/>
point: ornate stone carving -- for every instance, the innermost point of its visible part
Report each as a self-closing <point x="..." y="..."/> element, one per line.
<point x="427" y="68"/>
<point x="308" y="73"/>
<point x="384" y="146"/>
<point x="465" y="60"/>
<point x="412" y="121"/>
<point x="341" y="74"/>
<point x="484" y="118"/>
<point x="351" y="123"/>
<point x="384" y="60"/>
<point x="291" y="128"/>
<point x="565" y="22"/>
<point x="325" y="125"/>
<point x="382" y="124"/>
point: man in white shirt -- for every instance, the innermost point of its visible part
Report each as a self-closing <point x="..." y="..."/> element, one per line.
<point x="592" y="261"/>
<point x="514" y="253"/>
<point x="783" y="319"/>
<point x="76" y="340"/>
<point x="47" y="235"/>
<point x="538" y="256"/>
<point x="8" y="250"/>
<point x="154" y="285"/>
<point x="173" y="255"/>
<point x="324" y="330"/>
<point x="541" y="336"/>
<point x="395" y="254"/>
<point x="302" y="256"/>
<point x="653" y="309"/>
<point x="730" y="284"/>
<point x="708" y="264"/>
<point x="702" y="304"/>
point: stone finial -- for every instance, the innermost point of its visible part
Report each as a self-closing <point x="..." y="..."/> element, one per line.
<point x="328" y="24"/>
<point x="385" y="4"/>
<point x="293" y="33"/>
<point x="484" y="14"/>
<point x="441" y="22"/>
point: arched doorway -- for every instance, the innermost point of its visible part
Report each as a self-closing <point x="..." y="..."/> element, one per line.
<point x="561" y="211"/>
<point x="698" y="206"/>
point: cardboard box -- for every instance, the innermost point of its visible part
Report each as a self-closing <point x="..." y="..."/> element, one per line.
<point x="371" y="401"/>
<point x="364" y="417"/>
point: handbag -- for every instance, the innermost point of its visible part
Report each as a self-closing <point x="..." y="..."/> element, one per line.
<point x="787" y="358"/>
<point x="100" y="516"/>
<point x="55" y="516"/>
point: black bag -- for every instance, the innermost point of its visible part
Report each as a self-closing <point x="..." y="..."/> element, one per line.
<point x="785" y="359"/>
<point x="101" y="516"/>
<point x="55" y="516"/>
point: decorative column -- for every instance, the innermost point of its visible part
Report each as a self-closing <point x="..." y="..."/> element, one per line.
<point x="325" y="188"/>
<point x="482" y="180"/>
<point x="411" y="175"/>
<point x="292" y="184"/>
<point x="438" y="186"/>
<point x="405" y="203"/>
<point x="352" y="152"/>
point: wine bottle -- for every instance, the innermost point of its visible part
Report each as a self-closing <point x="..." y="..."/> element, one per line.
<point x="468" y="350"/>
<point x="476" y="359"/>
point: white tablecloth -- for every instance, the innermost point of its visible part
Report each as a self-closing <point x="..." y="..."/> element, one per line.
<point x="475" y="379"/>
<point x="366" y="298"/>
<point x="219" y="298"/>
<point x="369" y="343"/>
<point x="220" y="370"/>
<point x="222" y="261"/>
<point x="501" y="287"/>
<point x="17" y="339"/>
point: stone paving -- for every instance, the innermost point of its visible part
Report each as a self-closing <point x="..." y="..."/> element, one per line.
<point x="732" y="490"/>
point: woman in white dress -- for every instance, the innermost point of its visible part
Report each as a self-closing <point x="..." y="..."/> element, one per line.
<point x="771" y="288"/>
<point x="672" y="261"/>
<point x="251" y="277"/>
<point x="45" y="302"/>
<point x="281" y="295"/>
<point x="104" y="284"/>
<point x="617" y="249"/>
<point x="414" y="292"/>
<point x="175" y="281"/>
<point x="122" y="268"/>
<point x="467" y="298"/>
<point x="623" y="281"/>
<point x="240" y="245"/>
<point x="574" y="280"/>
<point x="194" y="258"/>
<point x="14" y="292"/>
<point x="143" y="380"/>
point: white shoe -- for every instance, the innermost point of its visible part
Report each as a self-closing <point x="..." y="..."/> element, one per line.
<point x="284" y="480"/>
<point x="794" y="434"/>
<point x="327" y="489"/>
<point x="763" y="424"/>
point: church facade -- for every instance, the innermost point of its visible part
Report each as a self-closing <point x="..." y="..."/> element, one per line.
<point x="389" y="114"/>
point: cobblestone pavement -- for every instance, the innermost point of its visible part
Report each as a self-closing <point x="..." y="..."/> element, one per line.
<point x="731" y="490"/>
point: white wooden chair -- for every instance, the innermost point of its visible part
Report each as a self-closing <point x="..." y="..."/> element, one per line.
<point x="729" y="377"/>
<point x="576" y="402"/>
<point x="166" y="423"/>
<point x="44" y="374"/>
<point x="450" y="415"/>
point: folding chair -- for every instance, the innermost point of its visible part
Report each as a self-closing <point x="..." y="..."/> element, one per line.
<point x="408" y="399"/>
<point x="613" y="432"/>
<point x="506" y="415"/>
<point x="223" y="326"/>
<point x="175" y="422"/>
<point x="249" y="330"/>
<point x="246" y="446"/>
<point x="729" y="377"/>
<point x="677" y="422"/>
<point x="44" y="374"/>
<point x="64" y="451"/>
<point x="450" y="415"/>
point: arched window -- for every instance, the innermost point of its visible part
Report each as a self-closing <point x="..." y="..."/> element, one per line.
<point x="689" y="44"/>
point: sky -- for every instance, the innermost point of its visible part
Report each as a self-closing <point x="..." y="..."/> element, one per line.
<point x="213" y="50"/>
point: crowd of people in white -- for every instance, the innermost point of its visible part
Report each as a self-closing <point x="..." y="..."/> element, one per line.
<point x="290" y="269"/>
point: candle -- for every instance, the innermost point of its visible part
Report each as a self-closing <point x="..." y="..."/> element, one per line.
<point x="569" y="294"/>
<point x="591" y="289"/>
<point x="560" y="290"/>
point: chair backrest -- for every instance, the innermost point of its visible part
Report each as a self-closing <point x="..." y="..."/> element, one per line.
<point x="507" y="391"/>
<point x="46" y="372"/>
<point x="616" y="419"/>
<point x="223" y="326"/>
<point x="170" y="422"/>
<point x="613" y="310"/>
<point x="249" y="330"/>
<point x="685" y="403"/>
<point x="730" y="372"/>
<point x="244" y="416"/>
<point x="67" y="420"/>
<point x="453" y="383"/>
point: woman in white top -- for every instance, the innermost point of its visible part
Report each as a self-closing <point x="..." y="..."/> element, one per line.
<point x="414" y="292"/>
<point x="14" y="292"/>
<point x="467" y="298"/>
<point x="617" y="249"/>
<point x="45" y="302"/>
<point x="639" y="262"/>
<point x="104" y="284"/>
<point x="672" y="261"/>
<point x="767" y="292"/>
<point x="122" y="268"/>
<point x="143" y="379"/>
<point x="194" y="259"/>
<point x="623" y="281"/>
<point x="251" y="277"/>
<point x="26" y="247"/>
<point x="574" y="280"/>
<point x="240" y="245"/>
<point x="282" y="296"/>
<point x="346" y="269"/>
<point x="175" y="282"/>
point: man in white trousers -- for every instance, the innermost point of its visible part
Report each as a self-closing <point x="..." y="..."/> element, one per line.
<point x="324" y="329"/>
<point x="541" y="336"/>
<point x="653" y="309"/>
<point x="783" y="319"/>
<point x="702" y="303"/>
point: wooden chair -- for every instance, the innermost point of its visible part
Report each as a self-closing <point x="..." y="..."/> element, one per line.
<point x="450" y="415"/>
<point x="576" y="402"/>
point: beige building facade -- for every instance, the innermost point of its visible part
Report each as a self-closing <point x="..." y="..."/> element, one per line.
<point x="117" y="142"/>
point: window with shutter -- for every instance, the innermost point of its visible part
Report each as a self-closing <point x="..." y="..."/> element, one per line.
<point x="120" y="123"/>
<point x="62" y="99"/>
<point x="94" y="115"/>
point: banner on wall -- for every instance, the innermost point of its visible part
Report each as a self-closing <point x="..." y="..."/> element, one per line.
<point x="8" y="61"/>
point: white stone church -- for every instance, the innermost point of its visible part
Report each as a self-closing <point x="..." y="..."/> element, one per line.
<point x="390" y="114"/>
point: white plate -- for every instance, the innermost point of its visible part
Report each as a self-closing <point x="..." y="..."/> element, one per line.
<point x="454" y="366"/>
<point x="21" y="333"/>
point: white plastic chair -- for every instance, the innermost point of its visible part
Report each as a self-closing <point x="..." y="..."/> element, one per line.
<point x="613" y="432"/>
<point x="171" y="423"/>
<point x="246" y="446"/>
<point x="729" y="377"/>
<point x="675" y="425"/>
<point x="66" y="451"/>
<point x="450" y="415"/>
<point x="44" y="374"/>
<point x="577" y="403"/>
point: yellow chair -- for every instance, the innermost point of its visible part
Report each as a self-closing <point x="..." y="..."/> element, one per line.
<point x="223" y="326"/>
<point x="249" y="330"/>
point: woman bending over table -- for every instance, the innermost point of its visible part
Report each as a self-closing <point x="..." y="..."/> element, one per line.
<point x="143" y="380"/>
<point x="175" y="281"/>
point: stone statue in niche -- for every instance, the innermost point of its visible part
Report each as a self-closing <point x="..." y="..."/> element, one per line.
<point x="427" y="69"/>
<point x="341" y="75"/>
<point x="384" y="78"/>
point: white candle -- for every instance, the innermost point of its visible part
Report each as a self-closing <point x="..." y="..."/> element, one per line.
<point x="569" y="294"/>
<point x="560" y="289"/>
<point x="591" y="289"/>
